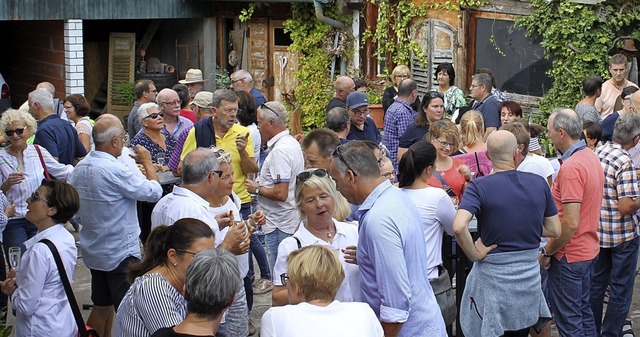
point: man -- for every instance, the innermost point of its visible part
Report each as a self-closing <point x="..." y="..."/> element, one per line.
<point x="108" y="191"/>
<point x="318" y="146"/>
<point x="201" y="107"/>
<point x="390" y="252"/>
<point x="194" y="81"/>
<point x="509" y="266"/>
<point x="577" y="192"/>
<point x="618" y="230"/>
<point x="276" y="186"/>
<point x="223" y="131"/>
<point x="58" y="136"/>
<point x="610" y="121"/>
<point x="485" y="102"/>
<point x="242" y="80"/>
<point x="169" y="103"/>
<point x="145" y="93"/>
<point x="344" y="85"/>
<point x="362" y="126"/>
<point x="592" y="89"/>
<point x="58" y="107"/>
<point x="338" y="121"/>
<point x="629" y="51"/>
<point x="612" y="88"/>
<point x="398" y="117"/>
<point x="200" y="178"/>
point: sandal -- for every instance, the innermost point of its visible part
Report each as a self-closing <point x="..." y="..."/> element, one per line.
<point x="627" y="329"/>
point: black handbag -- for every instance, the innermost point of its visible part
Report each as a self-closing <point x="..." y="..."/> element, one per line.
<point x="83" y="330"/>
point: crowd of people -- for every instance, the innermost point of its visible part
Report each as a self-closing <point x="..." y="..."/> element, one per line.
<point x="347" y="226"/>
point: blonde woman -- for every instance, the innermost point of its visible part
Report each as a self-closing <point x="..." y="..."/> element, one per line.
<point x="390" y="94"/>
<point x="474" y="151"/>
<point x="320" y="204"/>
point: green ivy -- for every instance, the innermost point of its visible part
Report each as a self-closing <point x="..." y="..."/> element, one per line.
<point x="577" y="39"/>
<point x="314" y="88"/>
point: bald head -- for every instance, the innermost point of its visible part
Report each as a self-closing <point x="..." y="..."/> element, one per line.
<point x="48" y="86"/>
<point x="502" y="146"/>
<point x="635" y="102"/>
<point x="107" y="127"/>
<point x="344" y="86"/>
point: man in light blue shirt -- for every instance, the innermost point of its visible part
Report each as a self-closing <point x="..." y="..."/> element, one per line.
<point x="108" y="193"/>
<point x="391" y="248"/>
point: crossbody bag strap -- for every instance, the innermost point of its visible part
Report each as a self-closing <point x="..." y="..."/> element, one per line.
<point x="445" y="186"/>
<point x="82" y="330"/>
<point x="44" y="167"/>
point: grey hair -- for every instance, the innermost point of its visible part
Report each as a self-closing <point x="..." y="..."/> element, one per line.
<point x="106" y="135"/>
<point x="626" y="128"/>
<point x="47" y="85"/>
<point x="211" y="282"/>
<point x="360" y="158"/>
<point x="276" y="111"/>
<point x="223" y="95"/>
<point x="243" y="73"/>
<point x="337" y="119"/>
<point x="568" y="120"/>
<point x="484" y="80"/>
<point x="223" y="156"/>
<point x="198" y="164"/>
<point x="406" y="87"/>
<point x="143" y="110"/>
<point x="43" y="97"/>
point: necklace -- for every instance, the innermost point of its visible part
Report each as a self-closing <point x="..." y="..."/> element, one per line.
<point x="328" y="231"/>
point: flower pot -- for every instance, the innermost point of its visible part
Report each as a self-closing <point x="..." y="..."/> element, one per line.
<point x="377" y="113"/>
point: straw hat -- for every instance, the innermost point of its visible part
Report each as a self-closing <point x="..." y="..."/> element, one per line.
<point x="193" y="76"/>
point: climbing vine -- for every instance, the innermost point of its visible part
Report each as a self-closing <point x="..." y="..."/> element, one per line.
<point x="577" y="39"/>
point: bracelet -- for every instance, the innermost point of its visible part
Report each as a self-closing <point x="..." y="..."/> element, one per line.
<point x="544" y="252"/>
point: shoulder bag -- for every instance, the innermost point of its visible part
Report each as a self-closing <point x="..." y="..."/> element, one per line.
<point x="44" y="167"/>
<point x="444" y="295"/>
<point x="83" y="330"/>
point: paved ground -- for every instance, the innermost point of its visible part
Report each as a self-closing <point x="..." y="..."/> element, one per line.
<point x="82" y="290"/>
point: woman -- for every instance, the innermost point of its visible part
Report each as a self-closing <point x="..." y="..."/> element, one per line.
<point x="319" y="203"/>
<point x="21" y="172"/>
<point x="210" y="289"/>
<point x="453" y="96"/>
<point x="313" y="279"/>
<point x="592" y="134"/>
<point x="390" y="94"/>
<point x="451" y="174"/>
<point x="432" y="110"/>
<point x="37" y="294"/>
<point x="154" y="137"/>
<point x="247" y="116"/>
<point x="77" y="110"/>
<point x="156" y="297"/>
<point x="474" y="151"/>
<point x="509" y="112"/>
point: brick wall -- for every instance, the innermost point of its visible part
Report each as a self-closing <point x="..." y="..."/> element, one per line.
<point x="74" y="57"/>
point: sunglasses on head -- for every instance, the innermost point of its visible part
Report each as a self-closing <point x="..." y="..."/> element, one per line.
<point x="15" y="131"/>
<point x="154" y="115"/>
<point x="337" y="153"/>
<point x="265" y="106"/>
<point x="304" y="176"/>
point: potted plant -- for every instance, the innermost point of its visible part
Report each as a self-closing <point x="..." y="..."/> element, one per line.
<point x="374" y="97"/>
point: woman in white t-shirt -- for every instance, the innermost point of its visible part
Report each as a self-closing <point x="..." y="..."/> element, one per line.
<point x="313" y="278"/>
<point x="77" y="109"/>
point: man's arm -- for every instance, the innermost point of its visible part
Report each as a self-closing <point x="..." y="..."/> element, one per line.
<point x="391" y="329"/>
<point x="551" y="227"/>
<point x="474" y="251"/>
<point x="247" y="160"/>
<point x="279" y="191"/>
<point x="569" y="225"/>
<point x="628" y="206"/>
<point x="488" y="131"/>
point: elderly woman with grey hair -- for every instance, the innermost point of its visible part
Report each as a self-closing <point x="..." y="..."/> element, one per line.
<point x="210" y="288"/>
<point x="154" y="136"/>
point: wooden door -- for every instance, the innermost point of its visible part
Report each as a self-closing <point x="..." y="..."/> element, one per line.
<point x="121" y="70"/>
<point x="438" y="41"/>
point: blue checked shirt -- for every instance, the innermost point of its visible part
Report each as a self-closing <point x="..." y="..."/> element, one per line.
<point x="619" y="182"/>
<point x="396" y="120"/>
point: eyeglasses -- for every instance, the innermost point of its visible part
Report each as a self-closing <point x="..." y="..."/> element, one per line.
<point x="186" y="252"/>
<point x="176" y="102"/>
<point x="230" y="111"/>
<point x="364" y="112"/>
<point x="401" y="76"/>
<point x="304" y="176"/>
<point x="35" y="197"/>
<point x="337" y="153"/>
<point x="445" y="143"/>
<point x="475" y="86"/>
<point x="238" y="80"/>
<point x="388" y="175"/>
<point x="219" y="173"/>
<point x="284" y="278"/>
<point x="154" y="115"/>
<point x="67" y="108"/>
<point x="265" y="106"/>
<point x="15" y="131"/>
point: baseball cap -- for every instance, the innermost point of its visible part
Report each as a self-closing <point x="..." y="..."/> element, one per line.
<point x="357" y="99"/>
<point x="203" y="99"/>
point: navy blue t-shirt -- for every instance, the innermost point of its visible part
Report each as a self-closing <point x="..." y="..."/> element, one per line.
<point x="607" y="126"/>
<point x="510" y="207"/>
<point x="369" y="132"/>
<point x="412" y="135"/>
<point x="60" y="138"/>
<point x="488" y="108"/>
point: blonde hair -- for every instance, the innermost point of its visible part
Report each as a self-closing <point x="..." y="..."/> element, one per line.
<point x="222" y="156"/>
<point x="399" y="70"/>
<point x="11" y="116"/>
<point x="446" y="128"/>
<point x="472" y="127"/>
<point x="341" y="205"/>
<point x="316" y="271"/>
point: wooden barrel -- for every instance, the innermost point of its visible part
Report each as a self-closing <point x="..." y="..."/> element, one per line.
<point x="161" y="81"/>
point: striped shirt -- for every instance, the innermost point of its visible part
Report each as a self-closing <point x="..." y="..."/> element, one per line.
<point x="151" y="303"/>
<point x="396" y="121"/>
<point x="620" y="181"/>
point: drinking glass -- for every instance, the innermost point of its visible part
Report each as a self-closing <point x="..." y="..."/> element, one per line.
<point x="160" y="157"/>
<point x="14" y="257"/>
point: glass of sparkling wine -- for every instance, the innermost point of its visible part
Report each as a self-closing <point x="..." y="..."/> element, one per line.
<point x="161" y="159"/>
<point x="14" y="257"/>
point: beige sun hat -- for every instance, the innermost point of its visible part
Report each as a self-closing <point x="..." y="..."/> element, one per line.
<point x="193" y="76"/>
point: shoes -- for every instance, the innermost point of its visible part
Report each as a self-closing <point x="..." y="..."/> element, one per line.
<point x="252" y="327"/>
<point x="627" y="329"/>
<point x="262" y="286"/>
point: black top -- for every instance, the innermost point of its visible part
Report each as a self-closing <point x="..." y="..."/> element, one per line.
<point x="388" y="99"/>
<point x="168" y="332"/>
<point x="413" y="134"/>
<point x="334" y="103"/>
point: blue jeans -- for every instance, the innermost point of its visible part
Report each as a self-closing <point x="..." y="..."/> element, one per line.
<point x="17" y="232"/>
<point x="236" y="323"/>
<point x="614" y="267"/>
<point x="569" y="286"/>
<point x="272" y="240"/>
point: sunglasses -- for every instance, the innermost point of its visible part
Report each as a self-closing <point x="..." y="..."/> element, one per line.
<point x="18" y="132"/>
<point x="154" y="115"/>
<point x="435" y="94"/>
<point x="265" y="106"/>
<point x="35" y="197"/>
<point x="337" y="153"/>
<point x="304" y="176"/>
<point x="284" y="278"/>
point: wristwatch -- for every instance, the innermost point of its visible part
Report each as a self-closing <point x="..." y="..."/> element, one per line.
<point x="544" y="252"/>
<point x="258" y="190"/>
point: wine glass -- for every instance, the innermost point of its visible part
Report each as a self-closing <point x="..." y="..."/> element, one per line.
<point x="14" y="257"/>
<point x="160" y="158"/>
